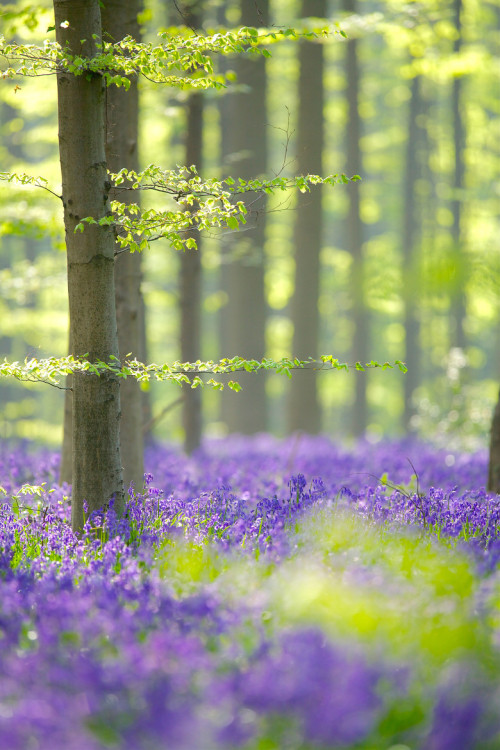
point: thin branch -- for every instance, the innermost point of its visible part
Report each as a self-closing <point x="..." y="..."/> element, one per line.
<point x="50" y="191"/>
<point x="288" y="133"/>
<point x="154" y="420"/>
<point x="185" y="18"/>
<point x="45" y="382"/>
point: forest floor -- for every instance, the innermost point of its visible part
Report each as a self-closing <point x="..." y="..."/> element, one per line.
<point x="262" y="594"/>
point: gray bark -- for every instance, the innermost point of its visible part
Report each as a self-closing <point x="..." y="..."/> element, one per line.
<point x="355" y="231"/>
<point x="494" y="463"/>
<point x="304" y="411"/>
<point x="97" y="473"/>
<point x="458" y="295"/>
<point x="244" y="151"/>
<point x="191" y="270"/>
<point x="494" y="454"/>
<point x="119" y="19"/>
<point x="410" y="258"/>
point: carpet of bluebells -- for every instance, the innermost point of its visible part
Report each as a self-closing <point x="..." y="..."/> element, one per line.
<point x="260" y="595"/>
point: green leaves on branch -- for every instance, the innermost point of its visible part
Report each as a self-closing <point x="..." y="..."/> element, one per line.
<point x="197" y="204"/>
<point x="329" y="360"/>
<point x="24" y="179"/>
<point x="204" y="205"/>
<point x="52" y="370"/>
<point x="21" y="178"/>
<point x="182" y="59"/>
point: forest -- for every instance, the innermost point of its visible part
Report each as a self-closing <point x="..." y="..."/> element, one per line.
<point x="249" y="374"/>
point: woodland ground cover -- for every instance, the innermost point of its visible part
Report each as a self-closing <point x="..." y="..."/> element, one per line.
<point x="260" y="594"/>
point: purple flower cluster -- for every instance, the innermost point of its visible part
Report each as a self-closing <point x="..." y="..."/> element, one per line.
<point x="164" y="628"/>
<point x="291" y="682"/>
<point x="446" y="496"/>
<point x="113" y="659"/>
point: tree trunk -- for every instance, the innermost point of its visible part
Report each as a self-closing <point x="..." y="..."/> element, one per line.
<point x="410" y="258"/>
<point x="355" y="231"/>
<point x="244" y="151"/>
<point x="97" y="473"/>
<point x="458" y="293"/>
<point x="494" y="465"/>
<point x="304" y="407"/>
<point x="119" y="19"/>
<point x="190" y="269"/>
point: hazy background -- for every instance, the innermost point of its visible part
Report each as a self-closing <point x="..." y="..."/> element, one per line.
<point x="402" y="265"/>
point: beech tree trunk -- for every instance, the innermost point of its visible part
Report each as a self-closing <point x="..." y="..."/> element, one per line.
<point x="119" y="19"/>
<point x="458" y="293"/>
<point x="410" y="259"/>
<point x="97" y="472"/>
<point x="355" y="231"/>
<point x="304" y="413"/>
<point x="190" y="268"/>
<point x="494" y="465"/>
<point x="244" y="152"/>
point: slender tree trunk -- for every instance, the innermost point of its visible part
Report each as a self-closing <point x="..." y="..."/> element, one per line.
<point x="458" y="295"/>
<point x="97" y="473"/>
<point x="304" y="407"/>
<point x="244" y="151"/>
<point x="119" y="19"/>
<point x="428" y="225"/>
<point x="494" y="464"/>
<point x="355" y="230"/>
<point x="190" y="269"/>
<point x="410" y="258"/>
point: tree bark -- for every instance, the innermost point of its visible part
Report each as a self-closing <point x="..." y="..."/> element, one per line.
<point x="494" y="464"/>
<point x="458" y="293"/>
<point x="410" y="259"/>
<point x="355" y="231"/>
<point x="97" y="473"/>
<point x="119" y="19"/>
<point x="304" y="413"/>
<point x="190" y="268"/>
<point x="244" y="151"/>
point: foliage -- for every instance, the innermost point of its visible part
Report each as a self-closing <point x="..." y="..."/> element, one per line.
<point x="184" y="52"/>
<point x="52" y="370"/>
<point x="204" y="204"/>
<point x="395" y="41"/>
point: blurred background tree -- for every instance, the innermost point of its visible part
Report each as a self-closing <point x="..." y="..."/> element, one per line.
<point x="244" y="153"/>
<point x="304" y="407"/>
<point x="190" y="273"/>
<point x="403" y="265"/>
